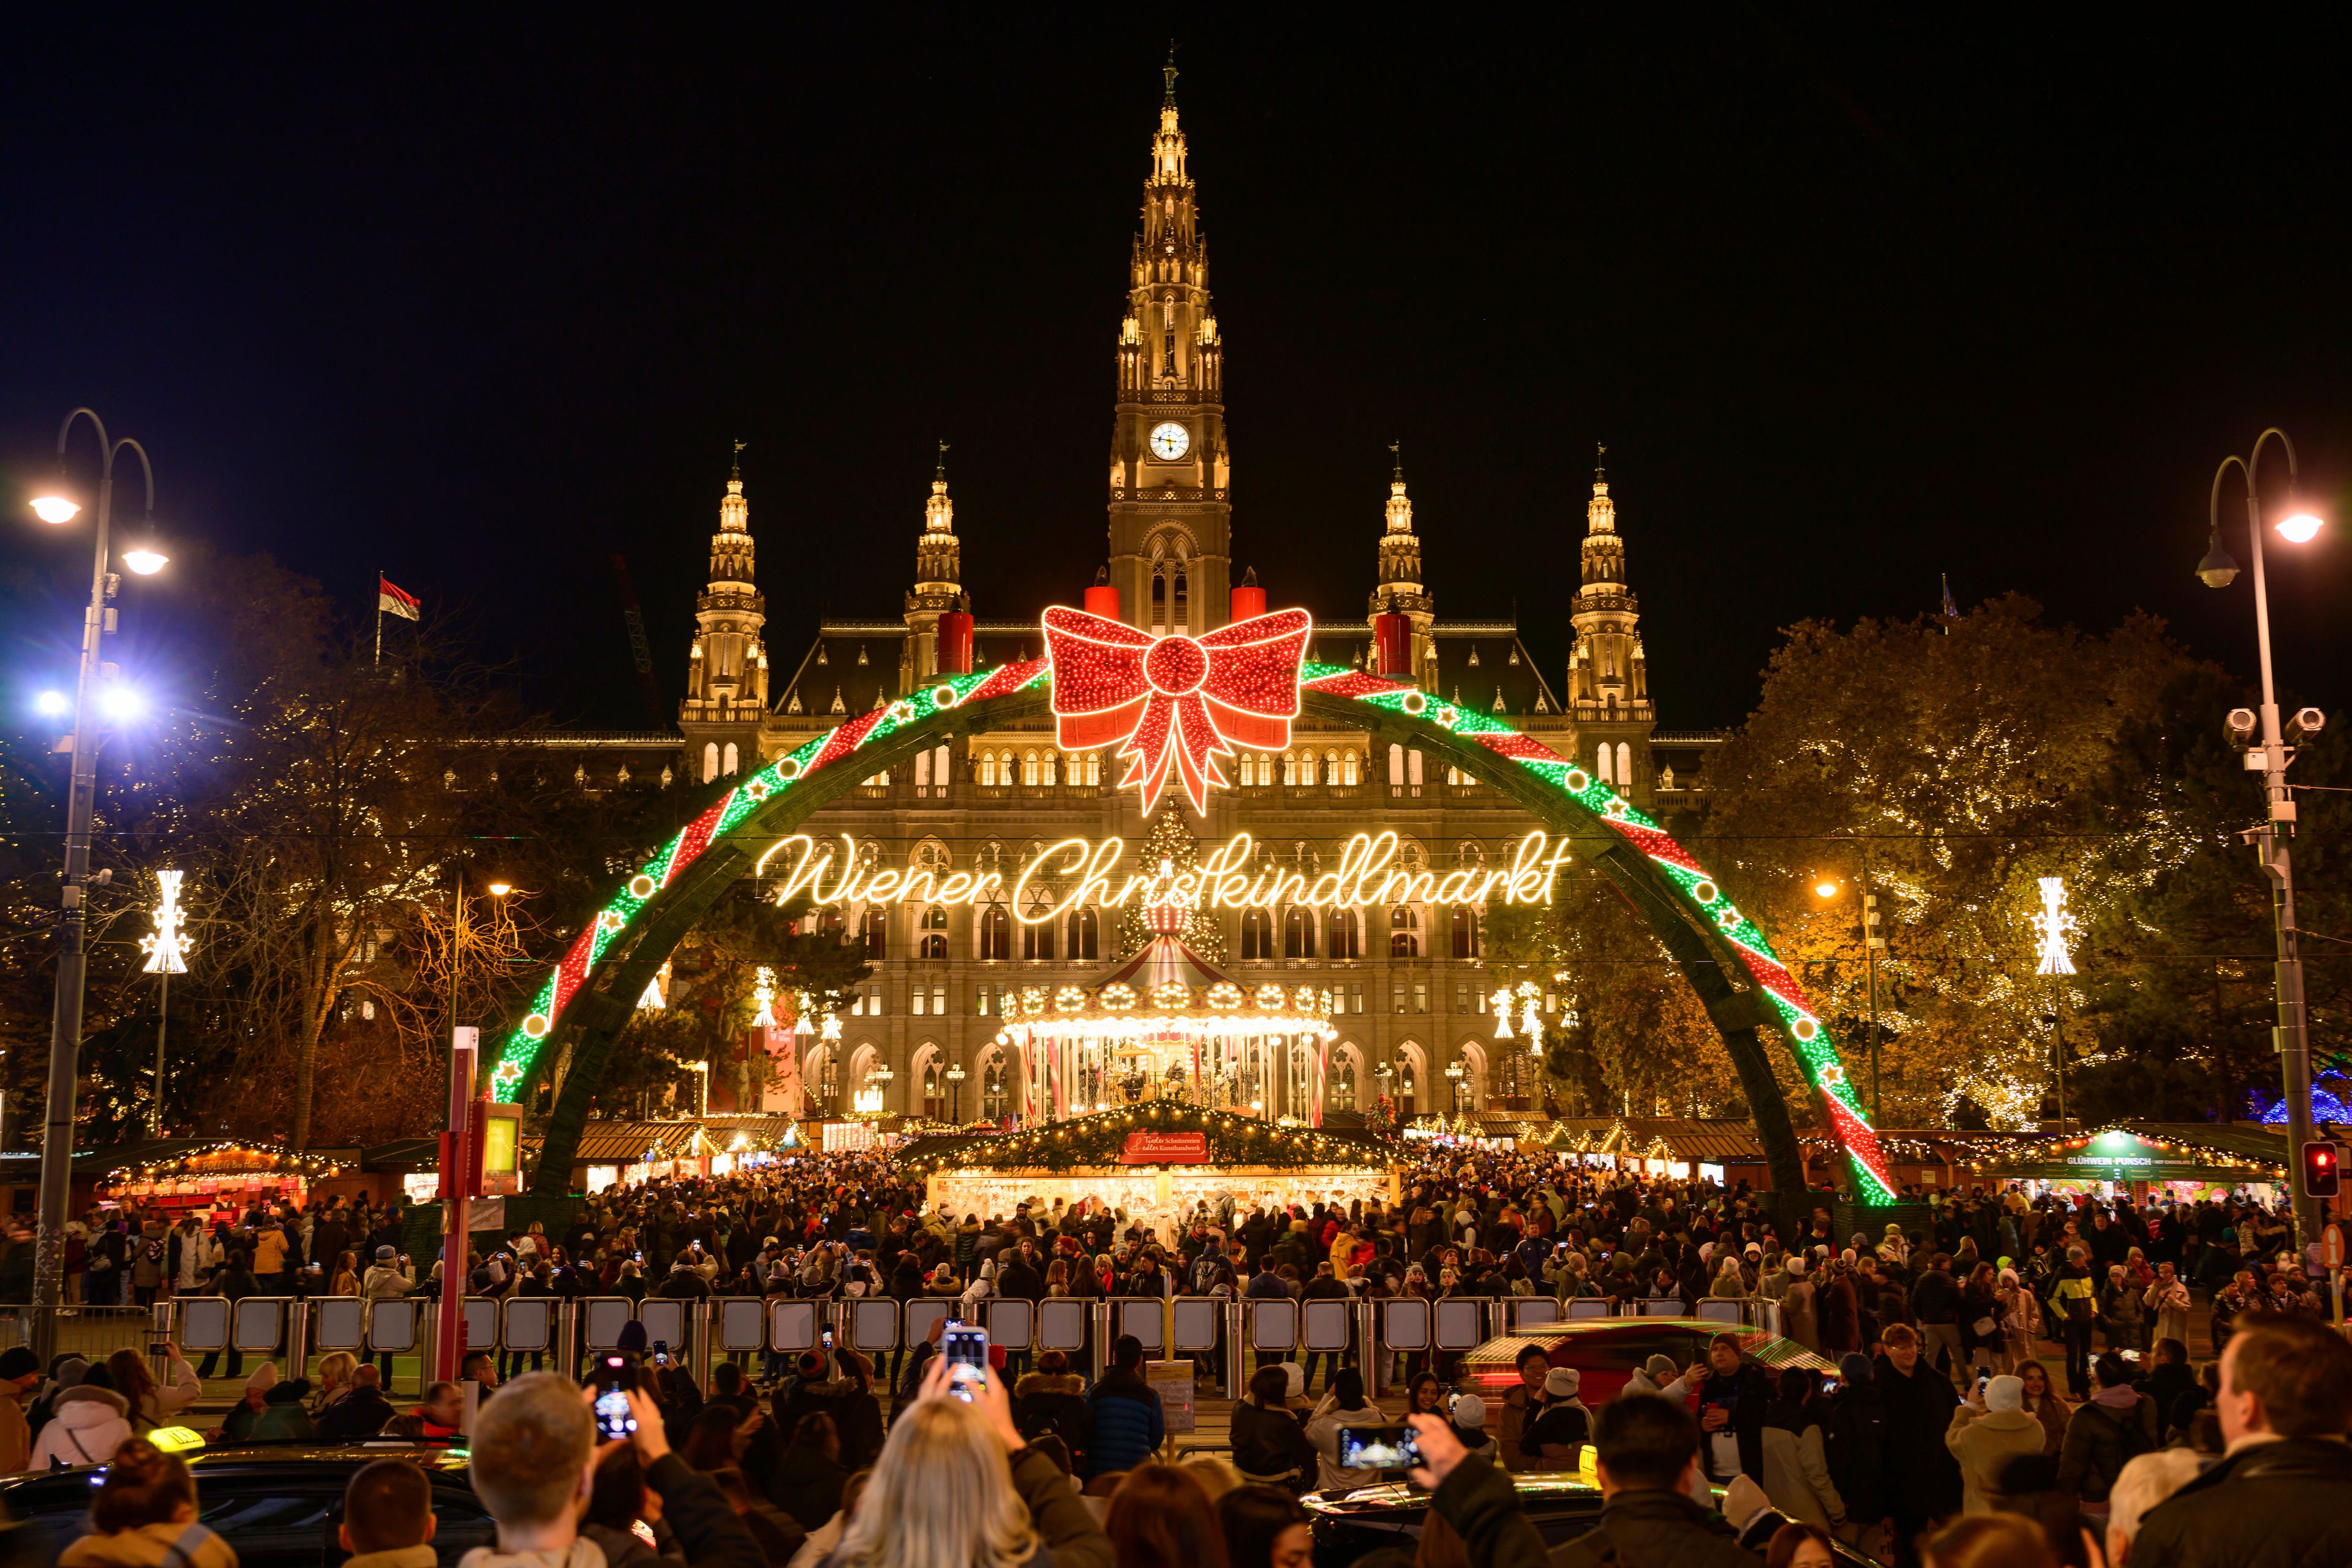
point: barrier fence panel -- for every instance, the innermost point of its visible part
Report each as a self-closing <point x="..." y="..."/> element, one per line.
<point x="664" y="1322"/>
<point x="1011" y="1322"/>
<point x="918" y="1315"/>
<point x="607" y="1316"/>
<point x="258" y="1323"/>
<point x="1198" y="1319"/>
<point x="1142" y="1317"/>
<point x="1534" y="1312"/>
<point x="1324" y="1325"/>
<point x="1461" y="1323"/>
<point x="792" y="1327"/>
<point x="1667" y="1309"/>
<point x="1717" y="1310"/>
<point x="1404" y="1323"/>
<point x="1061" y="1325"/>
<point x="530" y="1323"/>
<point x="204" y="1322"/>
<point x="1588" y="1307"/>
<point x="872" y="1324"/>
<point x="741" y="1326"/>
<point x="481" y="1324"/>
<point x="391" y="1325"/>
<point x="1273" y="1325"/>
<point x="338" y="1323"/>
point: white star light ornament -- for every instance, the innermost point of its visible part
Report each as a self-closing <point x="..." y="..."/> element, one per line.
<point x="167" y="950"/>
<point x="2054" y="925"/>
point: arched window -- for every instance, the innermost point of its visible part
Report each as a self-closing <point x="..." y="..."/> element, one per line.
<point x="1289" y="767"/>
<point x="1046" y="770"/>
<point x="1079" y="929"/>
<point x="1348" y="769"/>
<point x="1249" y="769"/>
<point x="709" y="761"/>
<point x="877" y="928"/>
<point x="1624" y="767"/>
<point x="933" y="1106"/>
<point x="1258" y="933"/>
<point x="994" y="1096"/>
<point x="1037" y="940"/>
<point x="1330" y="767"/>
<point x="1306" y="767"/>
<point x="1029" y="769"/>
<point x="1094" y="769"/>
<point x="726" y="760"/>
<point x="934" y="943"/>
<point x="995" y="931"/>
<point x="1343" y="933"/>
<point x="1298" y="933"/>
<point x="1404" y="932"/>
<point x="1343" y="1084"/>
<point x="986" y="764"/>
<point x="1466" y="931"/>
<point x="1404" y="1091"/>
<point x="1601" y="766"/>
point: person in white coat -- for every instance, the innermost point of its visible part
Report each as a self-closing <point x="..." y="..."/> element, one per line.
<point x="88" y="1423"/>
<point x="1796" y="1463"/>
<point x="2166" y="1299"/>
<point x="1345" y="1405"/>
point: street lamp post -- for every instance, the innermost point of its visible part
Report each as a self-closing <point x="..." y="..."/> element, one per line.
<point x="1454" y="1075"/>
<point x="2272" y="756"/>
<point x="1872" y="945"/>
<point x="955" y="1092"/>
<point x="73" y="928"/>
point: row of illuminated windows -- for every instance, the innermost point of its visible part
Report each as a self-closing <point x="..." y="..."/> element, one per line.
<point x="1341" y="933"/>
<point x="1078" y="934"/>
<point x="1035" y="769"/>
<point x="928" y="998"/>
<point x="1301" y="767"/>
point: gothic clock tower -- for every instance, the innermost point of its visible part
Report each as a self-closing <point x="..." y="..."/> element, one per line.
<point x="1171" y="512"/>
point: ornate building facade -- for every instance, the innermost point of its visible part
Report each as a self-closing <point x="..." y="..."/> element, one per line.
<point x="1411" y="980"/>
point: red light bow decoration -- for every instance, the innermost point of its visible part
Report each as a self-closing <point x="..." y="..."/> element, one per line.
<point x="1175" y="700"/>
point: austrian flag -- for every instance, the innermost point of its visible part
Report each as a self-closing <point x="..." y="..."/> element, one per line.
<point x="1177" y="703"/>
<point x="393" y="600"/>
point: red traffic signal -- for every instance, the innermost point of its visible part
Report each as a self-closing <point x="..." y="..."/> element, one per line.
<point x="2322" y="1168"/>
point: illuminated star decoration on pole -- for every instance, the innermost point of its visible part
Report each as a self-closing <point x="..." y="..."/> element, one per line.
<point x="764" y="992"/>
<point x="2054" y="925"/>
<point x="1179" y="702"/>
<point x="167" y="950"/>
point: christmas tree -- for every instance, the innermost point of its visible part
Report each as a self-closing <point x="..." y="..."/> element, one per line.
<point x="1170" y="840"/>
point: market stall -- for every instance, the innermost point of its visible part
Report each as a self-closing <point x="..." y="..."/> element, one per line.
<point x="224" y="1176"/>
<point x="2179" y="1162"/>
<point x="1156" y="1163"/>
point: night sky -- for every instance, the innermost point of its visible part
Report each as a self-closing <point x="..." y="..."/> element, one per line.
<point x="481" y="300"/>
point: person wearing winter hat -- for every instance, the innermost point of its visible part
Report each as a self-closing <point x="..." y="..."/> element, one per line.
<point x="272" y="1408"/>
<point x="20" y="1374"/>
<point x="87" y="1423"/>
<point x="1658" y="1376"/>
<point x="1344" y="1405"/>
<point x="1799" y="1319"/>
<point x="1556" y="1437"/>
<point x="1469" y="1420"/>
<point x="1990" y="1427"/>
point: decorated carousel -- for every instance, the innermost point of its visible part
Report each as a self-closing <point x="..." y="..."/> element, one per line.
<point x="1167" y="1025"/>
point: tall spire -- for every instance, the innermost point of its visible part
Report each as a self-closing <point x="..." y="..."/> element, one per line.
<point x="1402" y="589"/>
<point x="737" y="471"/>
<point x="729" y="664"/>
<point x="940" y="475"/>
<point x="1168" y="70"/>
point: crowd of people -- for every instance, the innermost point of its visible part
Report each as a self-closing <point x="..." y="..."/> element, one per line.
<point x="1944" y="1410"/>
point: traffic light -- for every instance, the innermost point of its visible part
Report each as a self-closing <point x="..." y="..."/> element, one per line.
<point x="2321" y="1162"/>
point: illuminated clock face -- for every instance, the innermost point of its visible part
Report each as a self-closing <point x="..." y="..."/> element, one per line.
<point x="1170" y="441"/>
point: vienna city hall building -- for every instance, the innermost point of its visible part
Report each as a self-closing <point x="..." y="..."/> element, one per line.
<point x="1410" y="982"/>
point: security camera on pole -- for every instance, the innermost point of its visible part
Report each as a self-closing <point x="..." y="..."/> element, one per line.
<point x="2268" y="756"/>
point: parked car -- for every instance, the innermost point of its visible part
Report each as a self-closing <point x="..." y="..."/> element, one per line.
<point x="280" y="1506"/>
<point x="1562" y="1506"/>
<point x="1607" y="1350"/>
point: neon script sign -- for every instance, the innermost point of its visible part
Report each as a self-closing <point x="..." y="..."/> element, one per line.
<point x="1078" y="871"/>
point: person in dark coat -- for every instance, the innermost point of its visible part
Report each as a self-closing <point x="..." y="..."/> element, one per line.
<point x="1923" y="1479"/>
<point x="360" y="1413"/>
<point x="1129" y="1423"/>
<point x="809" y="1477"/>
<point x="2283" y="1499"/>
<point x="1857" y="1443"/>
<point x="1733" y="1396"/>
<point x="1053" y="1399"/>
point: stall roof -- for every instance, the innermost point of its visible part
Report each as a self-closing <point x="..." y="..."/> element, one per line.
<point x="1658" y="1138"/>
<point x="627" y="1143"/>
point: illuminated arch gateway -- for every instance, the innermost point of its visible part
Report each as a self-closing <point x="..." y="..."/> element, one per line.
<point x="587" y="1000"/>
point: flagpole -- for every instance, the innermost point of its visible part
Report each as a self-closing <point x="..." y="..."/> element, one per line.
<point x="379" y="617"/>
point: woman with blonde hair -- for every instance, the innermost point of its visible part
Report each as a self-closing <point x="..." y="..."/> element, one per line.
<point x="335" y="1369"/>
<point x="946" y="1493"/>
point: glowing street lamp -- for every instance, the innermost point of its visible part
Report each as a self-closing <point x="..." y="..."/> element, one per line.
<point x="955" y="1076"/>
<point x="2053" y="926"/>
<point x="764" y="992"/>
<point x="167" y="950"/>
<point x="2300" y="526"/>
<point x="73" y="945"/>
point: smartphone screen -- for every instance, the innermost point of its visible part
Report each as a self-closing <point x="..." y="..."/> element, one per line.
<point x="613" y="1420"/>
<point x="1379" y="1448"/>
<point x="965" y="1346"/>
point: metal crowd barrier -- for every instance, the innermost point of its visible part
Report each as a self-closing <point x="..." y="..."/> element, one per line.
<point x="1370" y="1333"/>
